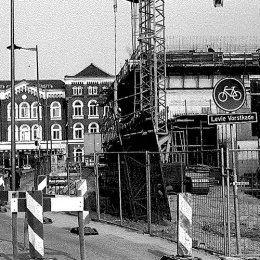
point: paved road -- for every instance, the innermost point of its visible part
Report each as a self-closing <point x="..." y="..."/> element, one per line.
<point x="112" y="243"/>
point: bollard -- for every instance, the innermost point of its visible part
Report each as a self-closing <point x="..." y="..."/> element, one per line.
<point x="34" y="202"/>
<point x="184" y="226"/>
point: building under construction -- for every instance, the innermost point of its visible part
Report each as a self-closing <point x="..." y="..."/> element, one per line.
<point x="160" y="102"/>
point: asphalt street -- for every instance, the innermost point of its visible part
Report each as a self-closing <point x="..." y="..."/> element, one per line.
<point x="112" y="242"/>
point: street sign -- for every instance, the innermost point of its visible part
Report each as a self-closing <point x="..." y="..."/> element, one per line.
<point x="229" y="94"/>
<point x="232" y="118"/>
<point x="241" y="183"/>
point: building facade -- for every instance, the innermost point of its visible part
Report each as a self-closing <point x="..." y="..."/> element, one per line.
<point x="68" y="110"/>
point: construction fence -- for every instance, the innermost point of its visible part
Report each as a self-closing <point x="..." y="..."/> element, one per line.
<point x="139" y="190"/>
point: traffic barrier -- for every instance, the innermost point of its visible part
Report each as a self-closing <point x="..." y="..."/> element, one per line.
<point x="2" y="183"/>
<point x="42" y="183"/>
<point x="184" y="228"/>
<point x="81" y="187"/>
<point x="35" y="203"/>
<point x="34" y="200"/>
<point x="2" y="202"/>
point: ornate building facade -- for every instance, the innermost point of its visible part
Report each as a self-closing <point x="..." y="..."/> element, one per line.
<point x="68" y="110"/>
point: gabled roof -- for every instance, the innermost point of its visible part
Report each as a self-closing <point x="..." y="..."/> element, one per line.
<point x="92" y="71"/>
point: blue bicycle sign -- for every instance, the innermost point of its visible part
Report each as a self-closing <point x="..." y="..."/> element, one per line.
<point x="229" y="94"/>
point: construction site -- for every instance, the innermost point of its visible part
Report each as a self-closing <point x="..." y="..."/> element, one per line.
<point x="158" y="121"/>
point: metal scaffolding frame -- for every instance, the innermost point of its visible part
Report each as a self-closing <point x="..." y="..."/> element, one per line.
<point x="152" y="93"/>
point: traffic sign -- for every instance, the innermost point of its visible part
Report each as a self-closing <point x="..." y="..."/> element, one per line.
<point x="229" y="94"/>
<point x="232" y="118"/>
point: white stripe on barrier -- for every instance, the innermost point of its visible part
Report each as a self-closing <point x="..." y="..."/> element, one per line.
<point x="42" y="184"/>
<point x="185" y="208"/>
<point x="2" y="182"/>
<point x="67" y="204"/>
<point x="185" y="238"/>
<point x="36" y="241"/>
<point x="34" y="207"/>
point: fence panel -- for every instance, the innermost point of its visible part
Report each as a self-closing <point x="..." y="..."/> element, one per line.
<point x="248" y="193"/>
<point x="123" y="193"/>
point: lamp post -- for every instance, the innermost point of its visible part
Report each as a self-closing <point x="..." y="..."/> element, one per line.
<point x="13" y="47"/>
<point x="12" y="97"/>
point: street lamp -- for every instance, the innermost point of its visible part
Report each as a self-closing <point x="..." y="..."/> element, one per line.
<point x="15" y="47"/>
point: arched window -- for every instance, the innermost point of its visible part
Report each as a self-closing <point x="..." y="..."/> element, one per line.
<point x="93" y="110"/>
<point x="56" y="132"/>
<point x="9" y="133"/>
<point x="78" y="155"/>
<point x="34" y="110"/>
<point x="24" y="110"/>
<point x="78" y="131"/>
<point x="36" y="132"/>
<point x="93" y="128"/>
<point x="24" y="133"/>
<point x="9" y="111"/>
<point x="55" y="110"/>
<point x="77" y="108"/>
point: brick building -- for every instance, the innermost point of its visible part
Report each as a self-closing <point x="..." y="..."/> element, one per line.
<point x="68" y="110"/>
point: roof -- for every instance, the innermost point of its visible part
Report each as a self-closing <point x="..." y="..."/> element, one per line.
<point x="52" y="83"/>
<point x="92" y="71"/>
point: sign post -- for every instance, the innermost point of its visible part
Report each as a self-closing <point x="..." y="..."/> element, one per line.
<point x="229" y="95"/>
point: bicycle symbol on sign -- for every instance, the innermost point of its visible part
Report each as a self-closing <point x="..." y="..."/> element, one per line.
<point x="229" y="92"/>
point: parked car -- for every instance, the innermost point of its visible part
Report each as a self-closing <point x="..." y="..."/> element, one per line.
<point x="27" y="167"/>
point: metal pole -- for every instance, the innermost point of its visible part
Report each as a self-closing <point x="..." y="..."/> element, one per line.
<point x="120" y="189"/>
<point x="81" y="231"/>
<point x="148" y="191"/>
<point x="12" y="98"/>
<point x="224" y="200"/>
<point x="97" y="184"/>
<point x="238" y="237"/>
<point x="228" y="206"/>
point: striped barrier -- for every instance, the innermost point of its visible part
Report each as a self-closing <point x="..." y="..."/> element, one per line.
<point x="81" y="187"/>
<point x="2" y="183"/>
<point x="184" y="227"/>
<point x="184" y="220"/>
<point x="35" y="203"/>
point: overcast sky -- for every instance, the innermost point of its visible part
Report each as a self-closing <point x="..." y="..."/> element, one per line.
<point x="71" y="34"/>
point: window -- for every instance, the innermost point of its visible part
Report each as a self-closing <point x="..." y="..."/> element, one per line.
<point x="25" y="133"/>
<point x="24" y="110"/>
<point x="92" y="90"/>
<point x="78" y="154"/>
<point x="16" y="133"/>
<point x="36" y="132"/>
<point x="55" y="110"/>
<point x="93" y="111"/>
<point x="34" y="110"/>
<point x="77" y="90"/>
<point x="78" y="131"/>
<point x="93" y="128"/>
<point x="56" y="132"/>
<point x="9" y="111"/>
<point x="77" y="108"/>
<point x="106" y="109"/>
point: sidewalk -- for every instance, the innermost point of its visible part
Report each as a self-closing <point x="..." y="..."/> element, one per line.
<point x="63" y="220"/>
